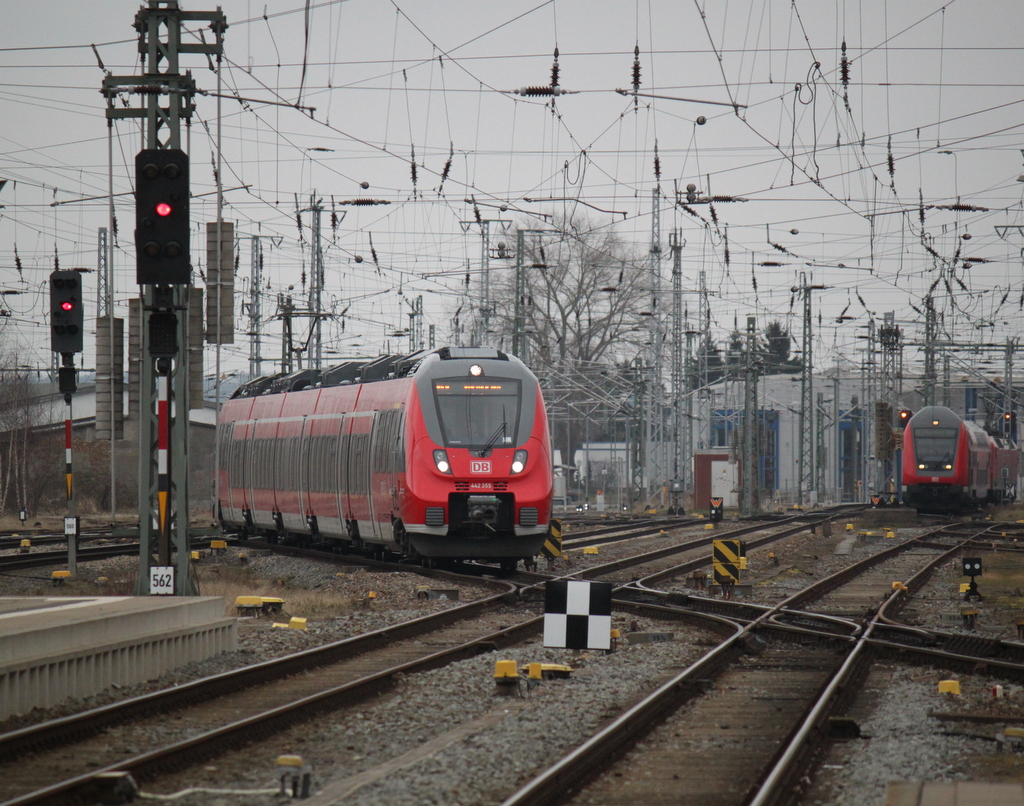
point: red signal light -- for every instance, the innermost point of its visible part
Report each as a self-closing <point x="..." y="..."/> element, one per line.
<point x="67" y="306"/>
<point x="163" y="209"/>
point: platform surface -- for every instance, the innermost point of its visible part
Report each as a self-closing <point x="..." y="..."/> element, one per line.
<point x="954" y="793"/>
<point x="54" y="647"/>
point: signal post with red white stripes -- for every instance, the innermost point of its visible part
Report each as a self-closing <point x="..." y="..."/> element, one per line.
<point x="66" y="338"/>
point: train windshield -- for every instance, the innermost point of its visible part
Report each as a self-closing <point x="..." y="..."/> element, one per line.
<point x="935" y="445"/>
<point x="478" y="413"/>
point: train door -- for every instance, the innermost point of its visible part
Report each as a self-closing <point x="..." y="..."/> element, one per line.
<point x="233" y="454"/>
<point x="359" y="475"/>
<point x="344" y="440"/>
<point x="335" y="486"/>
<point x="305" y="462"/>
<point x="262" y="458"/>
<point x="246" y="462"/>
<point x="382" y="477"/>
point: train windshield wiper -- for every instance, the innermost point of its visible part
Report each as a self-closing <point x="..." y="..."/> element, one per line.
<point x="499" y="433"/>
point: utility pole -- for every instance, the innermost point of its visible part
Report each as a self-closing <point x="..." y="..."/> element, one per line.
<point x="749" y="503"/>
<point x="485" y="305"/>
<point x="869" y="395"/>
<point x="654" y="419"/>
<point x="164" y="394"/>
<point x="255" y="307"/>
<point x="316" y="284"/>
<point x="805" y="462"/>
<point x="1009" y="404"/>
<point x="930" y="337"/>
<point x="703" y="372"/>
<point x="822" y="457"/>
<point x="284" y="305"/>
<point x="109" y="363"/>
<point x="890" y="338"/>
<point x="639" y="446"/>
<point x="520" y="345"/>
<point x="679" y="454"/>
<point x="691" y="388"/>
<point x="415" y="324"/>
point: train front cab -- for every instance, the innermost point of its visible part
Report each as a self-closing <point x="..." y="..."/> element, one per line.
<point x="479" y="475"/>
<point x="935" y="461"/>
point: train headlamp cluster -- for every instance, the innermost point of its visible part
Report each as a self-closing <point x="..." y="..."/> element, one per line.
<point x="441" y="461"/>
<point x="519" y="461"/>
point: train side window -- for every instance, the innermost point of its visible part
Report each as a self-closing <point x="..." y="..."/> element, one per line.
<point x="398" y="443"/>
<point x="310" y="461"/>
<point x="343" y="450"/>
<point x="360" y="464"/>
<point x="257" y="463"/>
<point x="286" y="465"/>
<point x="378" y="439"/>
<point x="324" y="468"/>
<point x="264" y="465"/>
<point x="277" y="463"/>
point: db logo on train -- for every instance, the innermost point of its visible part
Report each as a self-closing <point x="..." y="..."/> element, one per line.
<point x="479" y="467"/>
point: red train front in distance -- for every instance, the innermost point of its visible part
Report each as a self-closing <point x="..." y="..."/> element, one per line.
<point x="438" y="454"/>
<point x="950" y="465"/>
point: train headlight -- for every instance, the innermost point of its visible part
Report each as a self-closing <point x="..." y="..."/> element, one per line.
<point x="476" y="370"/>
<point x="920" y="467"/>
<point x="441" y="461"/>
<point x="519" y="461"/>
<point x="949" y="467"/>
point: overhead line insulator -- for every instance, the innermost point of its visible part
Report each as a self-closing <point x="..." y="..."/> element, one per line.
<point x="540" y="91"/>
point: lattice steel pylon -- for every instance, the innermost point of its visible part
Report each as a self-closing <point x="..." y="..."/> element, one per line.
<point x="256" y="308"/>
<point x="805" y="462"/>
<point x="930" y="337"/>
<point x="890" y="339"/>
<point x="164" y="393"/>
<point x="749" y="490"/>
<point x="821" y="452"/>
<point x="703" y="372"/>
<point x="654" y="426"/>
<point x="484" y="304"/>
<point x="679" y="449"/>
<point x="869" y="396"/>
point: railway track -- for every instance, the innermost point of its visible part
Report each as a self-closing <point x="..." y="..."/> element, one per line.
<point x="747" y="698"/>
<point x="217" y="713"/>
<point x="794" y="652"/>
<point x="211" y="708"/>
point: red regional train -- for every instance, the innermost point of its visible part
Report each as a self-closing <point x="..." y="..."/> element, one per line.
<point x="439" y="454"/>
<point x="950" y="465"/>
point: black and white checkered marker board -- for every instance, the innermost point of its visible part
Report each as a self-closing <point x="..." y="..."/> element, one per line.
<point x="578" y="615"/>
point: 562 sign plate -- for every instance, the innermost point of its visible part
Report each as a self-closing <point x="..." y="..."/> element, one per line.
<point x="161" y="580"/>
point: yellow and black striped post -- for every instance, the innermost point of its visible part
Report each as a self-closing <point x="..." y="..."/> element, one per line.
<point x="725" y="557"/>
<point x="552" y="548"/>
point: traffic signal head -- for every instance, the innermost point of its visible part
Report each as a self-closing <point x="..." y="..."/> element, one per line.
<point x="67" y="317"/>
<point x="904" y="417"/>
<point x="162" y="217"/>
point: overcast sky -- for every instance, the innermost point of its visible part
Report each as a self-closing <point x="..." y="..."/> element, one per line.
<point x="865" y="172"/>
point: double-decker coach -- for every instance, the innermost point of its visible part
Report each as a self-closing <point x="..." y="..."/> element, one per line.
<point x="952" y="465"/>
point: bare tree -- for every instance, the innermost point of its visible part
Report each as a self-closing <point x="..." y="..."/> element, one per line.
<point x="586" y="293"/>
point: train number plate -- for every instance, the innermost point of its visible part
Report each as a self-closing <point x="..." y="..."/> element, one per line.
<point x="478" y="466"/>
